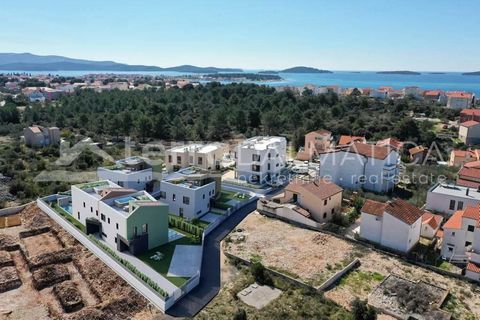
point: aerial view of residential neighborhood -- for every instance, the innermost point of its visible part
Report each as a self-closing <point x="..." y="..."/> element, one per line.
<point x="239" y="160"/>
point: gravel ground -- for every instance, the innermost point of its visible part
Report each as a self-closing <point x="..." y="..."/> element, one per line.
<point x="306" y="254"/>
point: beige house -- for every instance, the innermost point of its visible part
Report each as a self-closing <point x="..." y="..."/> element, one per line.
<point x="459" y="157"/>
<point x="38" y="136"/>
<point x="469" y="132"/>
<point x="204" y="156"/>
<point x="316" y="142"/>
<point x="320" y="198"/>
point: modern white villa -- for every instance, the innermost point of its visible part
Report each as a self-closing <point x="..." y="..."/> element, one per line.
<point x="127" y="219"/>
<point x="395" y="224"/>
<point x="205" y="156"/>
<point x="188" y="192"/>
<point x="449" y="198"/>
<point x="260" y="159"/>
<point x="361" y="166"/>
<point x="133" y="172"/>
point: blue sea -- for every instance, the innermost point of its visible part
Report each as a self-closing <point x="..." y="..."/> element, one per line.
<point x="449" y="81"/>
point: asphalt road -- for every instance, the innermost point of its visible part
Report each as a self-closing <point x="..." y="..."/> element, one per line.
<point x="209" y="285"/>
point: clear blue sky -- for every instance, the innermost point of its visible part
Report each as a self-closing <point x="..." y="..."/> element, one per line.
<point x="434" y="35"/>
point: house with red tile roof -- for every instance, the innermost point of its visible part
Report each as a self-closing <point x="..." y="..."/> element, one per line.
<point x="316" y="142"/>
<point x="430" y="224"/>
<point x="469" y="132"/>
<point x="470" y="114"/>
<point x="390" y="142"/>
<point x="469" y="175"/>
<point x="349" y="140"/>
<point x="459" y="100"/>
<point x="395" y="224"/>
<point x="460" y="157"/>
<point x="461" y="240"/>
<point x="435" y="96"/>
<point x="317" y="200"/>
<point x="418" y="154"/>
<point x="38" y="136"/>
<point x="361" y="166"/>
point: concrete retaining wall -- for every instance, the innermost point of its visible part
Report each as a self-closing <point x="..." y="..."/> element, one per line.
<point x="13" y="210"/>
<point x="337" y="276"/>
<point x="130" y="278"/>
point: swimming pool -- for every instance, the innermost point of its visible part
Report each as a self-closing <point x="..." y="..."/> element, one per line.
<point x="124" y="200"/>
<point x="174" y="235"/>
<point x="67" y="207"/>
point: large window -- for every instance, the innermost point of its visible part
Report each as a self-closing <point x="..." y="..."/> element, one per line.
<point x="169" y="158"/>
<point x="199" y="160"/>
<point x="186" y="200"/>
<point x="471" y="228"/>
<point x="255" y="157"/>
<point x="460" y="205"/>
<point x="452" y="204"/>
<point x="179" y="160"/>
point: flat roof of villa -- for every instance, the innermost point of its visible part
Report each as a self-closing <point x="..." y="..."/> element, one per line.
<point x="260" y="142"/>
<point x="197" y="147"/>
<point x="456" y="190"/>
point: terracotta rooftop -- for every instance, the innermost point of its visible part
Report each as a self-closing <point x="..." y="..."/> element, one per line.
<point x="35" y="129"/>
<point x="404" y="211"/>
<point x="470" y="112"/>
<point x="473" y="267"/>
<point x="470" y="172"/>
<point x="433" y="220"/>
<point x="455" y="221"/>
<point x="346" y="140"/>
<point x="320" y="189"/>
<point x="392" y="142"/>
<point x="374" y="208"/>
<point x="322" y="132"/>
<point x="416" y="150"/>
<point x="463" y="95"/>
<point x="472" y="164"/>
<point x="468" y="183"/>
<point x="469" y="123"/>
<point x="370" y="150"/>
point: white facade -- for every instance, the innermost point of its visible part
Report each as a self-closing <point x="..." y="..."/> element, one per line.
<point x="448" y="199"/>
<point x="352" y="170"/>
<point x="261" y="159"/>
<point x="469" y="132"/>
<point x="188" y="196"/>
<point x="455" y="102"/>
<point x="205" y="156"/>
<point x="395" y="225"/>
<point x="132" y="172"/>
<point x="460" y="235"/>
<point x="90" y="202"/>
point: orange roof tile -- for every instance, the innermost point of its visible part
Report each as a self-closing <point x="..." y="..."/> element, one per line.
<point x="373" y="207"/>
<point x="433" y="220"/>
<point x="468" y="183"/>
<point x="472" y="165"/>
<point x="455" y="221"/>
<point x="346" y="140"/>
<point x="470" y="123"/>
<point x="370" y="150"/>
<point x="320" y="189"/>
<point x="463" y="95"/>
<point x="416" y="150"/>
<point x="392" y="142"/>
<point x="468" y="171"/>
<point x="473" y="267"/>
<point x="470" y="112"/>
<point x="403" y="211"/>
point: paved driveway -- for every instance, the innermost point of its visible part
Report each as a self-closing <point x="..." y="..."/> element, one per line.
<point x="186" y="261"/>
<point x="209" y="285"/>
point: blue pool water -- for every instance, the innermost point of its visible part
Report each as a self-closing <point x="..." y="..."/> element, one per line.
<point x="67" y="207"/>
<point x="174" y="235"/>
<point x="124" y="200"/>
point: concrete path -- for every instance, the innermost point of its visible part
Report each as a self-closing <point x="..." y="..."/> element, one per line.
<point x="209" y="285"/>
<point x="210" y="217"/>
<point x="186" y="261"/>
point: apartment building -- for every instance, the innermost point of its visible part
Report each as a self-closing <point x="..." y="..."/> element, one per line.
<point x="126" y="219"/>
<point x="469" y="132"/>
<point x="459" y="157"/>
<point x="470" y="114"/>
<point x="459" y="100"/>
<point x="38" y="136"/>
<point x="316" y="142"/>
<point x="435" y="96"/>
<point x="189" y="191"/>
<point x="395" y="224"/>
<point x="449" y="198"/>
<point x="133" y="172"/>
<point x="361" y="166"/>
<point x="260" y="159"/>
<point x="205" y="156"/>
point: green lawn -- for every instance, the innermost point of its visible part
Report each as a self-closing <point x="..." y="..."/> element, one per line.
<point x="163" y="265"/>
<point x="67" y="216"/>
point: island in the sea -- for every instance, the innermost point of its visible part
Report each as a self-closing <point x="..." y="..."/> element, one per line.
<point x="475" y="73"/>
<point x="241" y="77"/>
<point x="402" y="72"/>
<point x="436" y="73"/>
<point x="268" y="72"/>
<point x="304" y="70"/>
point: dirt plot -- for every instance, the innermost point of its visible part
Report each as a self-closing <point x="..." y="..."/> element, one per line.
<point x="41" y="244"/>
<point x="312" y="256"/>
<point x="69" y="296"/>
<point x="5" y="259"/>
<point x="60" y="265"/>
<point x="301" y="253"/>
<point x="9" y="279"/>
